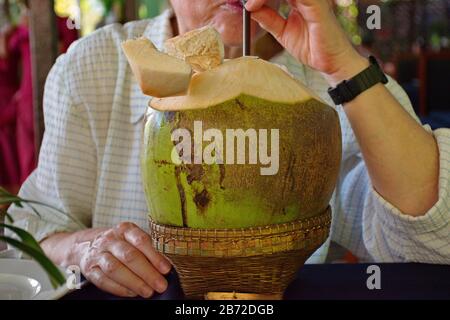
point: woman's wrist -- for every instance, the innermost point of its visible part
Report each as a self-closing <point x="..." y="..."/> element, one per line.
<point x="75" y="252"/>
<point x="353" y="65"/>
<point x="66" y="249"/>
<point x="79" y="243"/>
<point x="58" y="247"/>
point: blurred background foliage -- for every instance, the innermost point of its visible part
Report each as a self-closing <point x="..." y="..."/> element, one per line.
<point x="96" y="13"/>
<point x="404" y="22"/>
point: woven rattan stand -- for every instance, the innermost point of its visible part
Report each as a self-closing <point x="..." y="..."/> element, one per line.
<point x="260" y="260"/>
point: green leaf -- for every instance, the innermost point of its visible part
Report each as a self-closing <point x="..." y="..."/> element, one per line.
<point x="3" y="191"/>
<point x="35" y="211"/>
<point x="8" y="198"/>
<point x="55" y="275"/>
<point x="29" y="202"/>
<point x="9" y="218"/>
<point x="4" y="213"/>
<point x="26" y="237"/>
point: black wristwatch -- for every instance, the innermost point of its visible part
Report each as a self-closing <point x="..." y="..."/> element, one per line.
<point x="348" y="90"/>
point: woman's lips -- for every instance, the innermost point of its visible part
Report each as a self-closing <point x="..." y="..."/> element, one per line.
<point x="235" y="5"/>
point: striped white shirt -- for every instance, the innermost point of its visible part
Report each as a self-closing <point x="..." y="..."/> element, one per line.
<point x="89" y="163"/>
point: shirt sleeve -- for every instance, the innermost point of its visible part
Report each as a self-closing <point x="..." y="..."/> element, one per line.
<point x="374" y="229"/>
<point x="66" y="174"/>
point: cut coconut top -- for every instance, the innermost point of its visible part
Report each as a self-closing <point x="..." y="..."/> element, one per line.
<point x="202" y="48"/>
<point x="157" y="73"/>
<point x="144" y="53"/>
<point x="249" y="76"/>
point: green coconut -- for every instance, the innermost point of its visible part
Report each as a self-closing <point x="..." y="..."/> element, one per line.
<point x="245" y="93"/>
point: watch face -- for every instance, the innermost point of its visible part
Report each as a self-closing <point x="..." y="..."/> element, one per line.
<point x="373" y="60"/>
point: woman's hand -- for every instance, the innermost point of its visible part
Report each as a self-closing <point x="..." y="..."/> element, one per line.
<point x="313" y="35"/>
<point x="123" y="262"/>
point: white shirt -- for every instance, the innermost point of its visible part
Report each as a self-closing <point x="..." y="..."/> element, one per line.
<point x="89" y="163"/>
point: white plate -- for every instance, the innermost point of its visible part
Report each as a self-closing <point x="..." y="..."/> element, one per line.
<point x="24" y="270"/>
<point x="15" y="287"/>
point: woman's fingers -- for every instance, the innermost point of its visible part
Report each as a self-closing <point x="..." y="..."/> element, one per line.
<point x="125" y="256"/>
<point x="123" y="260"/>
<point x="142" y="241"/>
<point x="253" y="5"/>
<point x="100" y="280"/>
<point x="135" y="260"/>
<point x="118" y="272"/>
<point x="270" y="20"/>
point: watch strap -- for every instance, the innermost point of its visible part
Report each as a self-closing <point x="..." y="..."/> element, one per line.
<point x="348" y="90"/>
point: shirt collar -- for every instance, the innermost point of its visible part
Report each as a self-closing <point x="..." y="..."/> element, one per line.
<point x="163" y="24"/>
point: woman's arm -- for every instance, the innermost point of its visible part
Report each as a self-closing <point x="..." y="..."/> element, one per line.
<point x="402" y="158"/>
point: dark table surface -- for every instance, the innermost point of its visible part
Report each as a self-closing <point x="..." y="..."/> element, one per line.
<point x="335" y="281"/>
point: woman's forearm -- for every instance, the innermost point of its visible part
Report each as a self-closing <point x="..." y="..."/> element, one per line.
<point x="67" y="248"/>
<point x="402" y="158"/>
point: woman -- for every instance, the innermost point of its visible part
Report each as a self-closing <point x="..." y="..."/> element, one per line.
<point x="89" y="163"/>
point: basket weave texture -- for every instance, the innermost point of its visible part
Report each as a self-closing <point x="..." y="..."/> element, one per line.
<point x="249" y="260"/>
